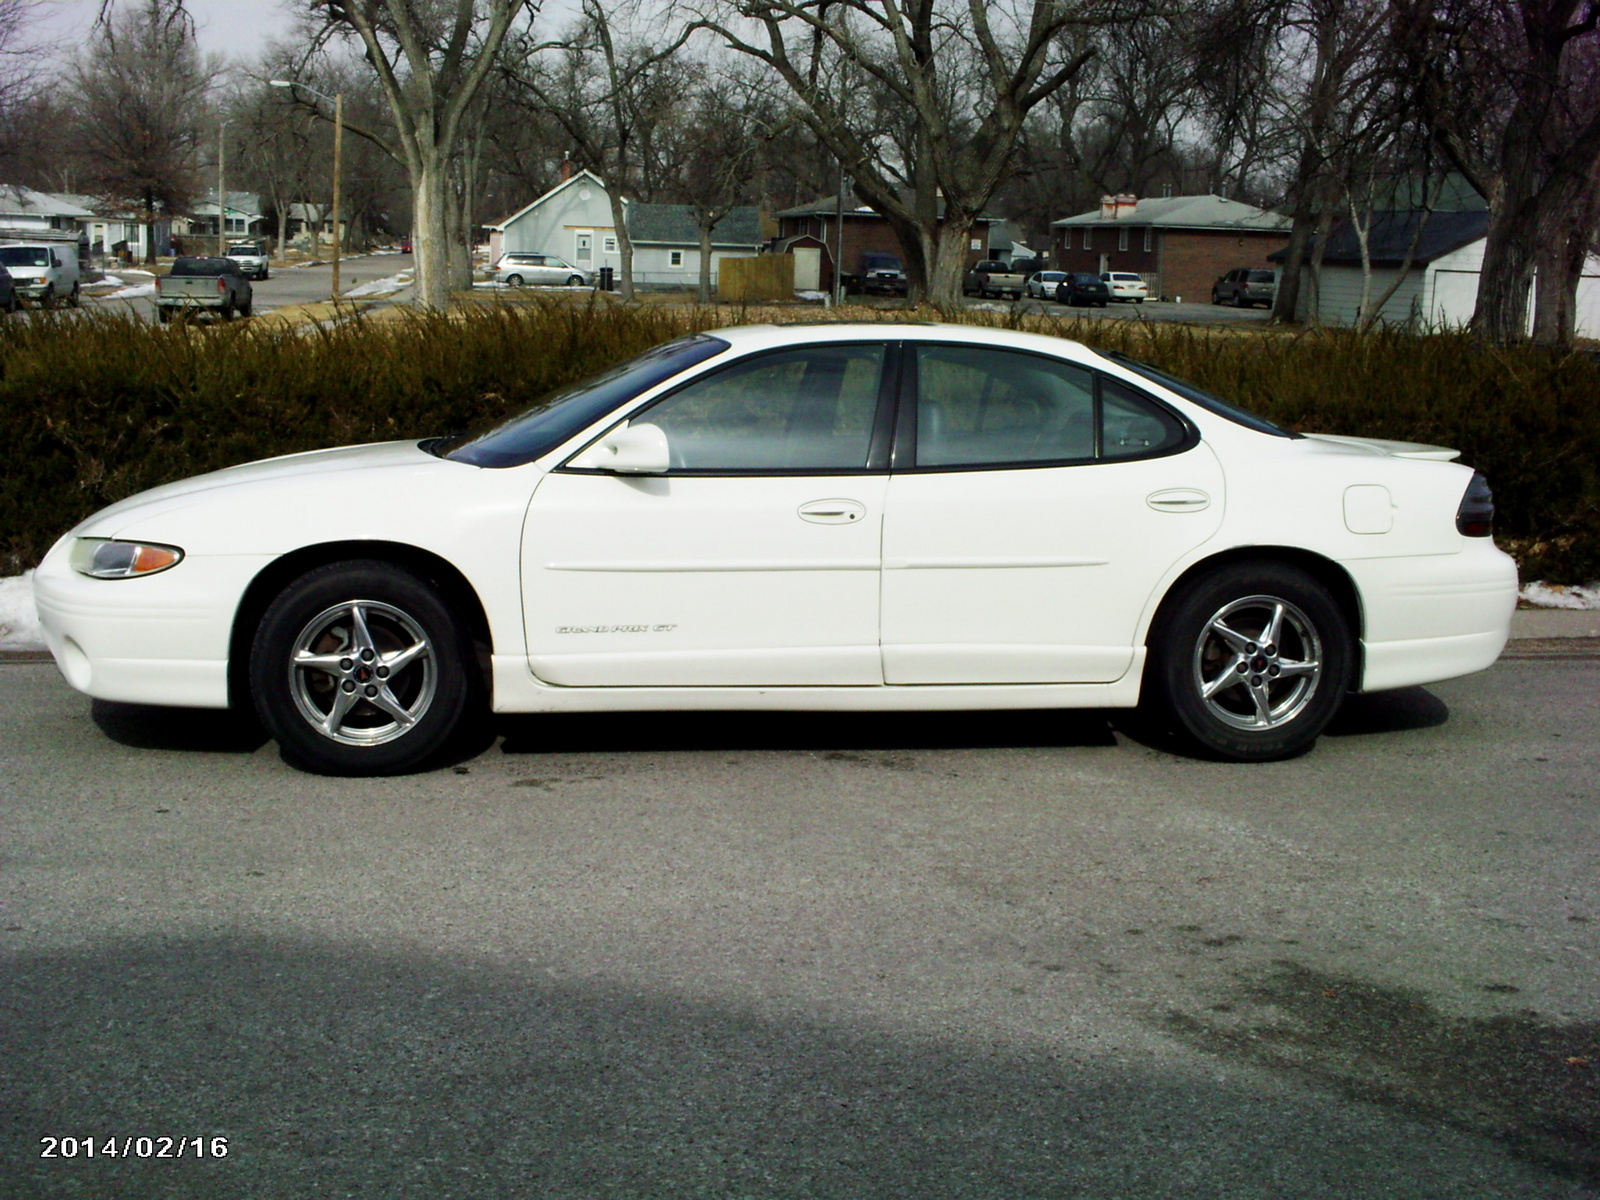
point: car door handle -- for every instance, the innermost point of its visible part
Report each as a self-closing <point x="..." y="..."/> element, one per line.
<point x="832" y="512"/>
<point x="1178" y="500"/>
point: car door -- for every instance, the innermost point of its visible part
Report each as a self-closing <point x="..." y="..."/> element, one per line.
<point x="752" y="560"/>
<point x="1041" y="505"/>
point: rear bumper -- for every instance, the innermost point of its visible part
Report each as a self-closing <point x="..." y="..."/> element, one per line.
<point x="1436" y="617"/>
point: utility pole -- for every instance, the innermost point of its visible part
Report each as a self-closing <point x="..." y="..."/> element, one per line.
<point x="222" y="196"/>
<point x="838" y="240"/>
<point x="338" y="152"/>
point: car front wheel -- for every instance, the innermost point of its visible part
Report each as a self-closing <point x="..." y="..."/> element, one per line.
<point x="513" y="280"/>
<point x="358" y="668"/>
<point x="1251" y="662"/>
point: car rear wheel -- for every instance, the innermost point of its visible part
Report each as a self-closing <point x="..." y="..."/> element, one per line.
<point x="1251" y="662"/>
<point x="358" y="668"/>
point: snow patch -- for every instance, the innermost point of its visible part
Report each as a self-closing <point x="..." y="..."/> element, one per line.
<point x="19" y="620"/>
<point x="390" y="283"/>
<point x="131" y="293"/>
<point x="811" y="295"/>
<point x="1558" y="595"/>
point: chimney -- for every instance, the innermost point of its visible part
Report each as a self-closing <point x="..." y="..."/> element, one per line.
<point x="566" y="165"/>
<point x="1126" y="204"/>
<point x="1108" y="207"/>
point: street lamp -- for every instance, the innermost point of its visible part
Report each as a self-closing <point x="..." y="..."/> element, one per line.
<point x="338" y="145"/>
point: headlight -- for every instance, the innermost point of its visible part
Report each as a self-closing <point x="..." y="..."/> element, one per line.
<point x="102" y="558"/>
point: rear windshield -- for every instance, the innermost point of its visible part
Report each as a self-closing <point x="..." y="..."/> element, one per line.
<point x="24" y="256"/>
<point x="541" y="428"/>
<point x="1262" y="276"/>
<point x="1121" y="278"/>
<point x="1086" y="279"/>
<point x="202" y="266"/>
<point x="1203" y="398"/>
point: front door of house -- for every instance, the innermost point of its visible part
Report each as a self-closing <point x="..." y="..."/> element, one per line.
<point x="583" y="251"/>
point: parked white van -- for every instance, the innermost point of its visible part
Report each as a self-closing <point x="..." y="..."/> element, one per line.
<point x="45" y="272"/>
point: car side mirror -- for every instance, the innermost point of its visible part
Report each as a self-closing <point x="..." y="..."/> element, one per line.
<point x="628" y="450"/>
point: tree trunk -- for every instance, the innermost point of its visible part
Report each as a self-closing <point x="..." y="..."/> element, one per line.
<point x="1508" y="260"/>
<point x="619" y="219"/>
<point x="946" y="252"/>
<point x="1287" y="296"/>
<point x="705" y="262"/>
<point x="431" y="233"/>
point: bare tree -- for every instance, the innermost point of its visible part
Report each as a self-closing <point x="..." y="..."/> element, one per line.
<point x="608" y="82"/>
<point x="20" y="65"/>
<point x="717" y="151"/>
<point x="432" y="59"/>
<point x="1507" y="88"/>
<point x="142" y="103"/>
<point x="957" y="81"/>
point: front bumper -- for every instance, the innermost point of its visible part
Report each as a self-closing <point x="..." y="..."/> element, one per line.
<point x="163" y="639"/>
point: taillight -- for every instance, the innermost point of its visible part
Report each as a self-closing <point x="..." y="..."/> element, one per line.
<point x="222" y="287"/>
<point x="1475" y="517"/>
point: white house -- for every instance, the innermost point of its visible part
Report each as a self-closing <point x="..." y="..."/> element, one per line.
<point x="242" y="213"/>
<point x="573" y="220"/>
<point x="1440" y="286"/>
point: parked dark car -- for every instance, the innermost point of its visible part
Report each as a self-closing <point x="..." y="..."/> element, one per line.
<point x="1246" y="286"/>
<point x="1079" y="288"/>
<point x="8" y="292"/>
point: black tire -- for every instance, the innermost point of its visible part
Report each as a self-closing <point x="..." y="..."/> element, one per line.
<point x="1212" y="632"/>
<point x="1215" y="298"/>
<point x="266" y="274"/>
<point x="75" y="300"/>
<point x="342" y="716"/>
<point x="575" y="281"/>
<point x="225" y="313"/>
<point x="513" y="280"/>
<point x="164" y="315"/>
<point x="247" y="307"/>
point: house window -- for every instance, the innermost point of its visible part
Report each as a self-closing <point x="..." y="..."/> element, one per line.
<point x="611" y="244"/>
<point x="1122" y="238"/>
<point x="675" y="258"/>
<point x="1088" y="238"/>
<point x="1149" y="238"/>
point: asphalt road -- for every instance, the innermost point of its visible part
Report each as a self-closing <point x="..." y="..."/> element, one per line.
<point x="286" y="286"/>
<point x="966" y="955"/>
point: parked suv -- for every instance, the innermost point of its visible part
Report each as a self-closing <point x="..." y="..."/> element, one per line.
<point x="1246" y="286"/>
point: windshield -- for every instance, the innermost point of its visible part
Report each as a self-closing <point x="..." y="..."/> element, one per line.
<point x="24" y="256"/>
<point x="1204" y="399"/>
<point x="541" y="428"/>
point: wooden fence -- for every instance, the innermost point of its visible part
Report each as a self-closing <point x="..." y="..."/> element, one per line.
<point x="765" y="277"/>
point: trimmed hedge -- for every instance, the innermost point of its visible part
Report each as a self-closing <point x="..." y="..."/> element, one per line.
<point x="97" y="406"/>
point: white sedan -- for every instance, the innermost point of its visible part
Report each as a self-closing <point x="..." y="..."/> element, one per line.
<point x="1126" y="285"/>
<point x="1042" y="285"/>
<point x="845" y="517"/>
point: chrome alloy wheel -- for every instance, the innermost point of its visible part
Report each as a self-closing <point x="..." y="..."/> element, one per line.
<point x="1257" y="663"/>
<point x="362" y="673"/>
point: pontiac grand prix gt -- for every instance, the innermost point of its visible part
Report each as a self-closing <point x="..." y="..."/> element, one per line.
<point x="842" y="517"/>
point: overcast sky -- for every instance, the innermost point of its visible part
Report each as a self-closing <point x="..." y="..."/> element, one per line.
<point x="233" y="27"/>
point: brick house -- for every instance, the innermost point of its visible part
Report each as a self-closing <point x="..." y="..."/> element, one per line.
<point x="815" y="227"/>
<point x="1180" y="244"/>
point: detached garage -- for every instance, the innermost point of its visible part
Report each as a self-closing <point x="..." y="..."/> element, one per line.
<point x="1439" y="288"/>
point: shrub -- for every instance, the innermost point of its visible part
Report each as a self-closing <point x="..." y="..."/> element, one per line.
<point x="97" y="406"/>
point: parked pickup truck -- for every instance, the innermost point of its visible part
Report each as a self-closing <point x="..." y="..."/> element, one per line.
<point x="877" y="273"/>
<point x="993" y="278"/>
<point x="203" y="285"/>
<point x="252" y="259"/>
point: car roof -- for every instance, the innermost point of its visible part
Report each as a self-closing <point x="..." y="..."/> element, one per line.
<point x="749" y="338"/>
